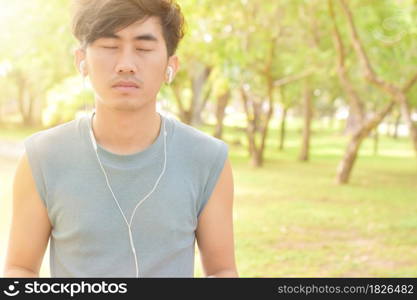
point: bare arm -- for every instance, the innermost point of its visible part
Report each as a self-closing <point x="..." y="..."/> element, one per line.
<point x="30" y="228"/>
<point x="214" y="232"/>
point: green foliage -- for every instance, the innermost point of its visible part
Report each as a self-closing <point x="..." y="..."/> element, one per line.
<point x="237" y="39"/>
<point x="65" y="100"/>
<point x="36" y="43"/>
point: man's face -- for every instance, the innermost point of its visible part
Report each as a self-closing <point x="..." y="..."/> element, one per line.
<point x="136" y="53"/>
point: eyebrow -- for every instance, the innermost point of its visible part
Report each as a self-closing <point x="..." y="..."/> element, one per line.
<point x="142" y="37"/>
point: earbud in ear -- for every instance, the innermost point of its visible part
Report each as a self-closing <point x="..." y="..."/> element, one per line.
<point x="82" y="67"/>
<point x="170" y="72"/>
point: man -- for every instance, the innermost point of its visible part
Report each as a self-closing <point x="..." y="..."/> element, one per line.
<point x="126" y="191"/>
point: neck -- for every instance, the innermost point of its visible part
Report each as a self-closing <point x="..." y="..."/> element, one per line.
<point x="125" y="132"/>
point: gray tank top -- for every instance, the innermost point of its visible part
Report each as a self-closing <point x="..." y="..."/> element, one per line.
<point x="89" y="236"/>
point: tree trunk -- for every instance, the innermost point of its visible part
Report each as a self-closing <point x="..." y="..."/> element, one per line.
<point x="346" y="165"/>
<point x="197" y="87"/>
<point x="222" y="102"/>
<point x="256" y="159"/>
<point x="269" y="113"/>
<point x="264" y="131"/>
<point x="396" y="125"/>
<point x="192" y="114"/>
<point x="307" y="110"/>
<point x="253" y="115"/>
<point x="356" y="107"/>
<point x="28" y="117"/>
<point x="257" y="111"/>
<point x="203" y="104"/>
<point x="353" y="121"/>
<point x="406" y="114"/>
<point x="376" y="140"/>
<point x="283" y="128"/>
<point x="250" y="128"/>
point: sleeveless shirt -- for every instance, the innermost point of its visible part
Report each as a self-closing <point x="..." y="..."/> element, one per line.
<point x="89" y="236"/>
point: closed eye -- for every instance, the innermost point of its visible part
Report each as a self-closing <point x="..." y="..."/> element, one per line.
<point x="139" y="49"/>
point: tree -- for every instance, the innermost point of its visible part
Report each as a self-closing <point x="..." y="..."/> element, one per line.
<point x="44" y="29"/>
<point x="365" y="126"/>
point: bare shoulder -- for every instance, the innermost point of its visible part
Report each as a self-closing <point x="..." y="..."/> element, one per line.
<point x="30" y="228"/>
<point x="215" y="227"/>
<point x="24" y="187"/>
<point x="223" y="193"/>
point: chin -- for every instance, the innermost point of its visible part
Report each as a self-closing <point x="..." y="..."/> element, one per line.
<point x="130" y="105"/>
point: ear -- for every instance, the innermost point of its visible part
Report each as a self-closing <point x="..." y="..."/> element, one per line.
<point x="173" y="62"/>
<point x="79" y="56"/>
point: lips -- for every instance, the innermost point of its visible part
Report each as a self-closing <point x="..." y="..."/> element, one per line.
<point x="126" y="84"/>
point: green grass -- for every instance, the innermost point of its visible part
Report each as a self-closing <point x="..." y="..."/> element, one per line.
<point x="292" y="220"/>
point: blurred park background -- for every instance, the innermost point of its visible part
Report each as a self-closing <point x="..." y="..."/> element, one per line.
<point x="317" y="100"/>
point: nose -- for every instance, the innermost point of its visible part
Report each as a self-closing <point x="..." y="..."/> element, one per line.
<point x="126" y="63"/>
<point x="125" y="68"/>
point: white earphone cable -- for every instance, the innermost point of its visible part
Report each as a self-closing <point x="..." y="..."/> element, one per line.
<point x="129" y="224"/>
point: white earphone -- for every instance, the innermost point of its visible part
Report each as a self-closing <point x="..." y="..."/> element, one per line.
<point x="82" y="67"/>
<point x="170" y="72"/>
<point x="129" y="224"/>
